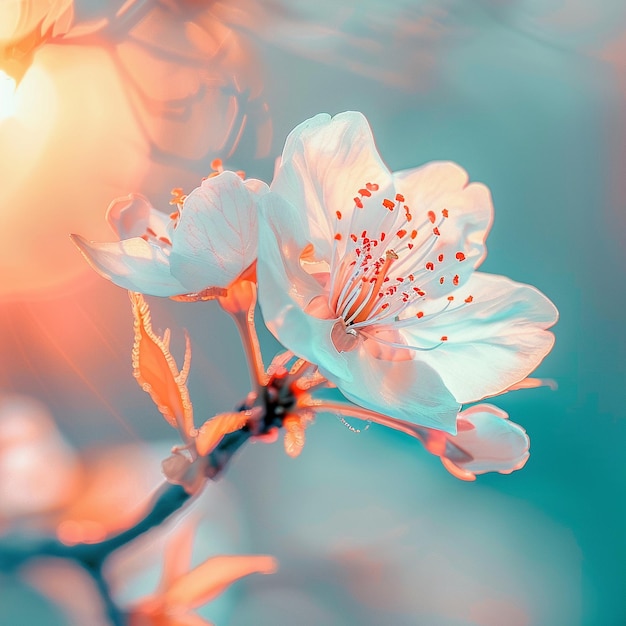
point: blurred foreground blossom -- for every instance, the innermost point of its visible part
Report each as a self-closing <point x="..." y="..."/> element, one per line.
<point x="370" y="275"/>
<point x="181" y="591"/>
<point x="201" y="248"/>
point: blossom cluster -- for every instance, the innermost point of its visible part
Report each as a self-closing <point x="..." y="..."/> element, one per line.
<point x="369" y="278"/>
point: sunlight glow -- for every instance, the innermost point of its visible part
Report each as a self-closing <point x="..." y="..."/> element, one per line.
<point x="7" y="96"/>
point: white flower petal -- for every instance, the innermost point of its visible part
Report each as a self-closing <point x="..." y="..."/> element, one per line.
<point x="408" y="390"/>
<point x="324" y="164"/>
<point x="133" y="264"/>
<point x="444" y="186"/>
<point x="216" y="237"/>
<point x="493" y="342"/>
<point x="286" y="289"/>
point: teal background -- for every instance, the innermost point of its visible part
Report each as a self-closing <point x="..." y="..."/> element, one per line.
<point x="369" y="529"/>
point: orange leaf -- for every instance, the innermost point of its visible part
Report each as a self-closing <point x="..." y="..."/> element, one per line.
<point x="212" y="431"/>
<point x="212" y="577"/>
<point x="156" y="371"/>
<point x="294" y="435"/>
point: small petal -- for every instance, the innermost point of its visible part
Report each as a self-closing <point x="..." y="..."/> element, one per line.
<point x="491" y="441"/>
<point x="133" y="215"/>
<point x="216" y="236"/>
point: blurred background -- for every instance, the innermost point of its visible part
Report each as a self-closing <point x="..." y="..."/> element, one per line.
<point x="101" y="98"/>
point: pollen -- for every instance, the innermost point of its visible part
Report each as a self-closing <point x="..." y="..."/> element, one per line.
<point x="401" y="233"/>
<point x="440" y="258"/>
<point x="338" y="236"/>
<point x="358" y="202"/>
<point x="450" y="298"/>
<point x="338" y="214"/>
<point x="399" y="197"/>
<point x="444" y="212"/>
<point x="444" y="338"/>
<point x="441" y="280"/>
<point x="388" y="204"/>
<point x="460" y="256"/>
<point x="436" y="231"/>
<point x="419" y="314"/>
<point x="430" y="266"/>
<point x="431" y="216"/>
<point x="469" y="299"/>
<point x="455" y="280"/>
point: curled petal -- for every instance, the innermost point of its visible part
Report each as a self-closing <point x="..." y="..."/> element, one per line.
<point x="492" y="442"/>
<point x="212" y="577"/>
<point x="132" y="215"/>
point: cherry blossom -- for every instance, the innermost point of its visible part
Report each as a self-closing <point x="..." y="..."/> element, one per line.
<point x="199" y="249"/>
<point x="371" y="276"/>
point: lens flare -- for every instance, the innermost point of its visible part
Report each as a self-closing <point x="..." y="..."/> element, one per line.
<point x="7" y="96"/>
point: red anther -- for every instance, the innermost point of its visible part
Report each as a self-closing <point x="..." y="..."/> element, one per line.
<point x="399" y="197"/>
<point x="430" y="266"/>
<point x="407" y="212"/>
<point x="444" y="212"/>
<point x="441" y="280"/>
<point x="174" y="215"/>
<point x="358" y="202"/>
<point x="469" y="299"/>
<point x="410" y="246"/>
<point x="411" y="277"/>
<point x="450" y="298"/>
<point x="372" y="186"/>
<point x="338" y="236"/>
<point x="455" y="280"/>
<point x="400" y="279"/>
<point x="364" y="234"/>
<point x="431" y="216"/>
<point x="401" y="233"/>
<point x="382" y="236"/>
<point x="440" y="258"/>
<point x="444" y="338"/>
<point x="388" y="204"/>
<point x="216" y="164"/>
<point x="338" y="214"/>
<point x="165" y="240"/>
<point x="354" y="238"/>
<point x="436" y="231"/>
<point x="365" y="192"/>
<point x="419" y="314"/>
<point x="413" y="234"/>
<point x="385" y="305"/>
<point x="460" y="256"/>
<point x="150" y="231"/>
<point x="144" y="237"/>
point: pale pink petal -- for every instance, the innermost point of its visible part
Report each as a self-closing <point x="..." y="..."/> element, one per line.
<point x="324" y="164"/>
<point x="493" y="443"/>
<point x="133" y="264"/>
<point x="491" y="343"/>
<point x="216" y="236"/>
<point x="212" y="577"/>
